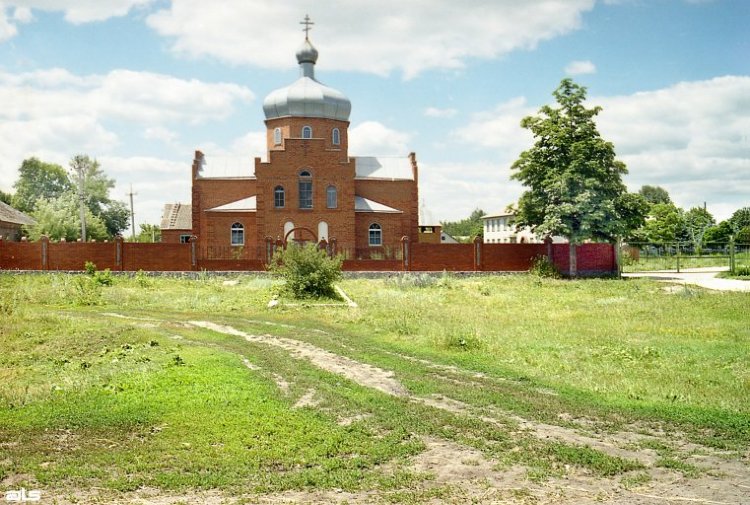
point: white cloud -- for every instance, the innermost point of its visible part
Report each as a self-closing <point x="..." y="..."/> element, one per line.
<point x="7" y="29"/>
<point x="361" y="35"/>
<point x="75" y="11"/>
<point x="439" y="113"/>
<point x="692" y="138"/>
<point x="154" y="181"/>
<point x="22" y="15"/>
<point x="580" y="67"/>
<point x="451" y="191"/>
<point x="373" y="138"/>
<point x="500" y="128"/>
<point x="54" y="114"/>
<point x="160" y="133"/>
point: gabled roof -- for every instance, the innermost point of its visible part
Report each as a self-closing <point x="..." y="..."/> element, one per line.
<point x="10" y="215"/>
<point x="244" y="205"/>
<point x="365" y="205"/>
<point x="177" y="216"/>
<point x="383" y="167"/>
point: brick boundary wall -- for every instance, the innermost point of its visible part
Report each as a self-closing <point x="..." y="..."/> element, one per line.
<point x="593" y="259"/>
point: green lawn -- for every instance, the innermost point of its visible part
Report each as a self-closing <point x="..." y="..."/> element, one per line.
<point x="90" y="399"/>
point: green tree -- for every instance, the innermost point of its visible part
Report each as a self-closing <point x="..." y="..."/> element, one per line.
<point x="59" y="219"/>
<point x="5" y="197"/>
<point x="719" y="233"/>
<point x="96" y="186"/>
<point x="665" y="223"/>
<point x="470" y="227"/>
<point x="697" y="221"/>
<point x="743" y="236"/>
<point x="149" y="233"/>
<point x="740" y="219"/>
<point x="574" y="182"/>
<point x="38" y="180"/>
<point x="654" y="194"/>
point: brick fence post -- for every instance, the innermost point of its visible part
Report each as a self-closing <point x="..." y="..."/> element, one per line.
<point x="194" y="252"/>
<point x="405" y="254"/>
<point x="477" y="253"/>
<point x="45" y="252"/>
<point x="119" y="261"/>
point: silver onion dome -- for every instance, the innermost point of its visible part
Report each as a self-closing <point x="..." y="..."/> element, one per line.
<point x="306" y="97"/>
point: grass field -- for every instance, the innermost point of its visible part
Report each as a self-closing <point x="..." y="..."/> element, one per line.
<point x="184" y="386"/>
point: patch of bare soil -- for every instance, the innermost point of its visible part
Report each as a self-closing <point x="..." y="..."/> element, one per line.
<point x="361" y="373"/>
<point x="464" y="475"/>
<point x="307" y="400"/>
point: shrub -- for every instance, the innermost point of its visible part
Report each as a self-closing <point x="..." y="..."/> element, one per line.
<point x="307" y="270"/>
<point x="102" y="278"/>
<point x="542" y="266"/>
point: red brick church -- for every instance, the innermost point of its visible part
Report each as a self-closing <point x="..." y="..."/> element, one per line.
<point x="309" y="189"/>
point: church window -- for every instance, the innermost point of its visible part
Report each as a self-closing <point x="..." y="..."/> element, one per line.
<point x="277" y="136"/>
<point x="335" y="137"/>
<point x="279" y="199"/>
<point x="238" y="234"/>
<point x="306" y="132"/>
<point x="322" y="231"/>
<point x="376" y="235"/>
<point x="305" y="190"/>
<point x="288" y="226"/>
<point x="332" y="200"/>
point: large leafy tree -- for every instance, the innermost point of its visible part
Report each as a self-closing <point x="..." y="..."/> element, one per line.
<point x="5" y="197"/>
<point x="38" y="180"/>
<point x="740" y="219"/>
<point x="697" y="221"/>
<point x="574" y="182"/>
<point x="665" y="224"/>
<point x="654" y="194"/>
<point x="58" y="219"/>
<point x="52" y="195"/>
<point x="719" y="233"/>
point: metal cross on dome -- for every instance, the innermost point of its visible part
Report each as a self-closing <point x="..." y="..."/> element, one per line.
<point x="307" y="24"/>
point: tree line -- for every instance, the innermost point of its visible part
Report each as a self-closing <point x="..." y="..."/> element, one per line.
<point x="57" y="198"/>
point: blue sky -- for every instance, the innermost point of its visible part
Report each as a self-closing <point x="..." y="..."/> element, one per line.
<point x="141" y="84"/>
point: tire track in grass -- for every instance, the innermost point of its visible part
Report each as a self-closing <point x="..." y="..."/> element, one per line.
<point x="361" y="373"/>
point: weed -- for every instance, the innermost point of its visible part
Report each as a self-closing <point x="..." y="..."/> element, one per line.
<point x="87" y="292"/>
<point x="543" y="267"/>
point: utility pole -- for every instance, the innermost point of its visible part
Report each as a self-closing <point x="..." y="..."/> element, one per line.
<point x="132" y="214"/>
<point x="77" y="165"/>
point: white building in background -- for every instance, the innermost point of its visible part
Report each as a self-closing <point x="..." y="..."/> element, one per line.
<point x="500" y="229"/>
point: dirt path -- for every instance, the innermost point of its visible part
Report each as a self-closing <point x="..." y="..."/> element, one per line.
<point x="723" y="481"/>
<point x="361" y="373"/>
<point x="464" y="475"/>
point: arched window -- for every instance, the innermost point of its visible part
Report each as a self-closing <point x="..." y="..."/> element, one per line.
<point x="238" y="234"/>
<point x="376" y="235"/>
<point x="277" y="136"/>
<point x="279" y="199"/>
<point x="322" y="231"/>
<point x="307" y="132"/>
<point x="288" y="226"/>
<point x="305" y="190"/>
<point x="332" y="199"/>
<point x="335" y="137"/>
